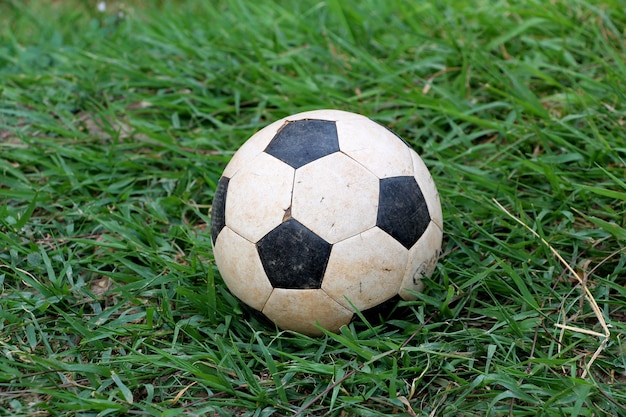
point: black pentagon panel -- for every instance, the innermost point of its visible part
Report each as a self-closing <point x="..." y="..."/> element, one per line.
<point x="402" y="210"/>
<point x="302" y="141"/>
<point x="293" y="256"/>
<point x="218" y="209"/>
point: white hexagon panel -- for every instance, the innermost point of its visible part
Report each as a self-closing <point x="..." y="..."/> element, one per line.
<point x="335" y="197"/>
<point x="258" y="196"/>
<point x="304" y="310"/>
<point x="358" y="277"/>
<point x="256" y="288"/>
<point x="422" y="260"/>
<point x="375" y="147"/>
<point x="321" y="213"/>
<point x="428" y="188"/>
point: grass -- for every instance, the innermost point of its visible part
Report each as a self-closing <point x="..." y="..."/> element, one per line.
<point x="115" y="127"/>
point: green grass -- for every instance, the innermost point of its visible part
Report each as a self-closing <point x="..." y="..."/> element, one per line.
<point x="115" y="127"/>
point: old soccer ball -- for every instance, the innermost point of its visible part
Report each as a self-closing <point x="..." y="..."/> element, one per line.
<point x="323" y="213"/>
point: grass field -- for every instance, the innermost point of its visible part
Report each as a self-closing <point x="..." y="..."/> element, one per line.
<point x="115" y="127"/>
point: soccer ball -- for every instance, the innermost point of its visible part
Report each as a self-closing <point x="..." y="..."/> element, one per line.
<point x="321" y="214"/>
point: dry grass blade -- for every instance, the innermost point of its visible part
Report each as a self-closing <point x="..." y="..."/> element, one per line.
<point x="604" y="337"/>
